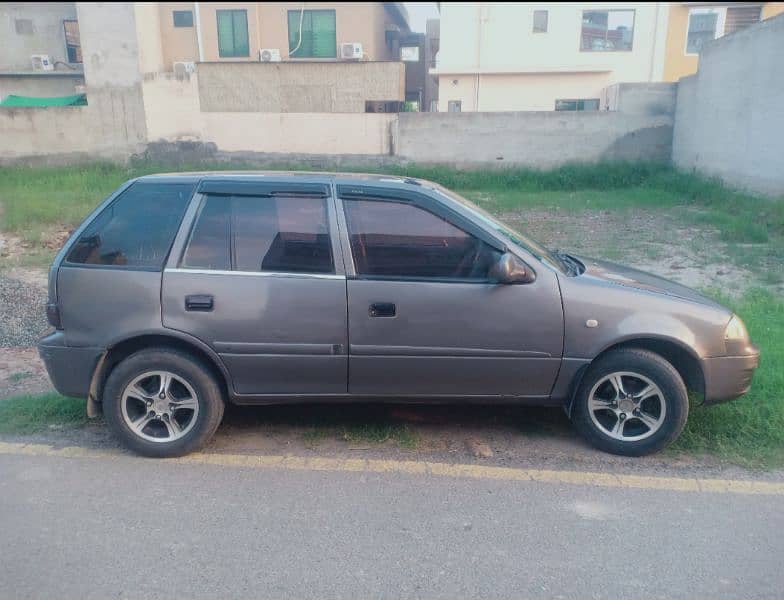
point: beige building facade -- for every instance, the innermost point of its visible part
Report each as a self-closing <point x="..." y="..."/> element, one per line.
<point x="239" y="31"/>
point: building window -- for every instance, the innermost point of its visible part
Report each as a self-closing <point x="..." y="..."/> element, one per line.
<point x="182" y="18"/>
<point x="706" y="24"/>
<point x="454" y="106"/>
<point x="740" y="17"/>
<point x="607" y="31"/>
<point x="409" y="53"/>
<point x="233" y="33"/>
<point x="23" y="26"/>
<point x="582" y="104"/>
<point x="73" y="44"/>
<point x="540" y="21"/>
<point x="312" y="34"/>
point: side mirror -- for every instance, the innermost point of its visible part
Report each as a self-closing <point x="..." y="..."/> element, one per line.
<point x="510" y="270"/>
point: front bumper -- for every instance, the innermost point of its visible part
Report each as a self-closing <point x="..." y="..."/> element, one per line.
<point x="728" y="377"/>
<point x="70" y="369"/>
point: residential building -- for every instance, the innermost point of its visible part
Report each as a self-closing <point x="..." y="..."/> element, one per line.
<point x="46" y="29"/>
<point x="560" y="56"/>
<point x="545" y="56"/>
<point x="299" y="56"/>
<point x="240" y="31"/>
<point x="692" y="24"/>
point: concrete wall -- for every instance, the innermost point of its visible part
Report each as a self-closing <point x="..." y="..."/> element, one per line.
<point x="641" y="98"/>
<point x="729" y="119"/>
<point x="47" y="35"/>
<point x="60" y="84"/>
<point x="534" y="139"/>
<point x="171" y="123"/>
<point x="259" y="132"/>
<point x="298" y="87"/>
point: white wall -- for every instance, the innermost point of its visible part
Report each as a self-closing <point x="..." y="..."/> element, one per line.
<point x="492" y="46"/>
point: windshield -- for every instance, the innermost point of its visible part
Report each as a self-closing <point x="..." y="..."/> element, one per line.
<point x="514" y="236"/>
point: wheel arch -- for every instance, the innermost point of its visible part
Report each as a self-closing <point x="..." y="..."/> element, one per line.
<point x="122" y="348"/>
<point x="680" y="356"/>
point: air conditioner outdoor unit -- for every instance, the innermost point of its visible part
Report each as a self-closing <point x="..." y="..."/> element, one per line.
<point x="351" y="51"/>
<point x="182" y="67"/>
<point x="269" y="55"/>
<point x="42" y="62"/>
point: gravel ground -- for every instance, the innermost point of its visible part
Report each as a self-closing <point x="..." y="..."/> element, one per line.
<point x="24" y="314"/>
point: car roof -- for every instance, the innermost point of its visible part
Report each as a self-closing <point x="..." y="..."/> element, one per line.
<point x="298" y="176"/>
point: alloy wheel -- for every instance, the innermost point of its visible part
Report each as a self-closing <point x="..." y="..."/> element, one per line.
<point x="159" y="406"/>
<point x="627" y="406"/>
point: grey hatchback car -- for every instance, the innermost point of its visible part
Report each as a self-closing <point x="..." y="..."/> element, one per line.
<point x="180" y="293"/>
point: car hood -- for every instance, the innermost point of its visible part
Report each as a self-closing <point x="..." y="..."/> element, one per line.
<point x="640" y="280"/>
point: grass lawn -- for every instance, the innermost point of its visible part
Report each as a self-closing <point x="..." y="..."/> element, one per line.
<point x="35" y="202"/>
<point x="31" y="414"/>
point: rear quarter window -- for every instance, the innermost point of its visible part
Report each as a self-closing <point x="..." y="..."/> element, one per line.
<point x="136" y="230"/>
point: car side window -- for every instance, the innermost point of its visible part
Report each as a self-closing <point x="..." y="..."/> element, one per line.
<point x="399" y="240"/>
<point x="257" y="233"/>
<point x="136" y="230"/>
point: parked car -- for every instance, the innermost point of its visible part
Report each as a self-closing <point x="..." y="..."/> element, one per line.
<point x="183" y="292"/>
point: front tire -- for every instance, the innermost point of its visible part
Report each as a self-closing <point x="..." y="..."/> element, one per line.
<point x="630" y="402"/>
<point x="162" y="403"/>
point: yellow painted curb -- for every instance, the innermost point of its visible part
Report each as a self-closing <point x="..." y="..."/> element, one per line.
<point x="405" y="467"/>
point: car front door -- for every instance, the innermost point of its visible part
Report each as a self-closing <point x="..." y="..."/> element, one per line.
<point x="259" y="277"/>
<point x="424" y="318"/>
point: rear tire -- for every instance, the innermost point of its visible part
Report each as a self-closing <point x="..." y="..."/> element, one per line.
<point x="631" y="402"/>
<point x="162" y="403"/>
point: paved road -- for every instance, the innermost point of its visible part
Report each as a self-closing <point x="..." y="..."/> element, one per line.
<point x="124" y="527"/>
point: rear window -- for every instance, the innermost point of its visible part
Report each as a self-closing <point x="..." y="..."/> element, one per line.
<point x="256" y="233"/>
<point x="136" y="230"/>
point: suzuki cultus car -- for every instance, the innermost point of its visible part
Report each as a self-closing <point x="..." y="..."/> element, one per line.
<point x="181" y="293"/>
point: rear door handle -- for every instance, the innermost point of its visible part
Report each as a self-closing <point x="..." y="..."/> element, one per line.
<point x="199" y="302"/>
<point x="382" y="309"/>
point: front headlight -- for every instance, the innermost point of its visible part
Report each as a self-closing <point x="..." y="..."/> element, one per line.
<point x="735" y="329"/>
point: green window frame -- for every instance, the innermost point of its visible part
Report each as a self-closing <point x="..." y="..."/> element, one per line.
<point x="232" y="33"/>
<point x="319" y="38"/>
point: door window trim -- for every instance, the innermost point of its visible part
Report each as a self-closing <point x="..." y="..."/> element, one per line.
<point x="422" y="202"/>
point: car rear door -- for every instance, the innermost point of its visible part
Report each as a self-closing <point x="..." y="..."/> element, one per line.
<point x="424" y="320"/>
<point x="259" y="277"/>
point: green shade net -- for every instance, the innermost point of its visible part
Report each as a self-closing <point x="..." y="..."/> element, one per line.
<point x="35" y="101"/>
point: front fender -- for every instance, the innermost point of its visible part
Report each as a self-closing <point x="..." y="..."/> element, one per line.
<point x="598" y="315"/>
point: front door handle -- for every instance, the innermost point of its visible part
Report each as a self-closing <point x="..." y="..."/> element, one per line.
<point x="199" y="302"/>
<point x="382" y="309"/>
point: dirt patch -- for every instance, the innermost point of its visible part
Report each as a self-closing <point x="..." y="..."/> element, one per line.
<point x="653" y="241"/>
<point x="22" y="372"/>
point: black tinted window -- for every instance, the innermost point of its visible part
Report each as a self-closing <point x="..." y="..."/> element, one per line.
<point x="245" y="233"/>
<point x="391" y="239"/>
<point x="137" y="229"/>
